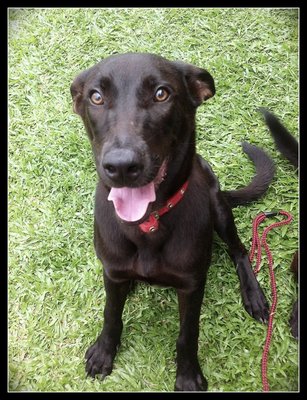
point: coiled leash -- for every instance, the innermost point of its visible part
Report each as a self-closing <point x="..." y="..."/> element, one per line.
<point x="257" y="242"/>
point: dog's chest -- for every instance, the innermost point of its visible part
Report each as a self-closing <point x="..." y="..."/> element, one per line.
<point x="147" y="265"/>
<point x="154" y="265"/>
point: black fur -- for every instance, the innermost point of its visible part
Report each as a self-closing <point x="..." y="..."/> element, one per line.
<point x="288" y="146"/>
<point x="265" y="170"/>
<point x="139" y="113"/>
<point x="284" y="141"/>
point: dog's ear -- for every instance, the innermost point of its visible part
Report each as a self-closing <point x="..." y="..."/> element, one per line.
<point x="199" y="82"/>
<point x="76" y="90"/>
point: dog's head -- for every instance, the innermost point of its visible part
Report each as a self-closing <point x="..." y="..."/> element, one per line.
<point x="138" y="110"/>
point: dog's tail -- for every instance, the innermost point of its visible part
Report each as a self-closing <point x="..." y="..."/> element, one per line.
<point x="284" y="141"/>
<point x="265" y="171"/>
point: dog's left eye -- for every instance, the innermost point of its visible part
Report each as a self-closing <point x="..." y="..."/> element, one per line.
<point x="96" y="98"/>
<point x="161" y="94"/>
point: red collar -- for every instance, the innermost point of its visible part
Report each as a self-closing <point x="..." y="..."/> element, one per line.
<point x="152" y="223"/>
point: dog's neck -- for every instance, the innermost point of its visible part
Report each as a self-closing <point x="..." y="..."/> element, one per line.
<point x="152" y="223"/>
<point x="179" y="169"/>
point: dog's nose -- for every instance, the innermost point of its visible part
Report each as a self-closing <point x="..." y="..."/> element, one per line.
<point x="122" y="166"/>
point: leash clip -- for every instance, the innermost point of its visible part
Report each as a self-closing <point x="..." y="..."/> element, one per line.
<point x="271" y="213"/>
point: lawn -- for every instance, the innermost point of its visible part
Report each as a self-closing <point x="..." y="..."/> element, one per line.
<point x="55" y="293"/>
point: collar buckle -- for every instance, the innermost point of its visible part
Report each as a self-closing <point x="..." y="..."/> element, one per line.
<point x="152" y="223"/>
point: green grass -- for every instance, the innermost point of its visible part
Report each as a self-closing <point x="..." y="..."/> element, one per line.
<point x="56" y="294"/>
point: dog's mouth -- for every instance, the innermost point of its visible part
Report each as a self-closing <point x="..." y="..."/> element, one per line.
<point x="132" y="204"/>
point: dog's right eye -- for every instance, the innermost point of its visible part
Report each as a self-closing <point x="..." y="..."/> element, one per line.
<point x="161" y="94"/>
<point x="96" y="98"/>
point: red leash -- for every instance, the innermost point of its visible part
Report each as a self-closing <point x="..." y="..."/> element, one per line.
<point x="257" y="243"/>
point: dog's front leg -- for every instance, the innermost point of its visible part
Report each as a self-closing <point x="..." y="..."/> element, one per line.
<point x="101" y="354"/>
<point x="189" y="375"/>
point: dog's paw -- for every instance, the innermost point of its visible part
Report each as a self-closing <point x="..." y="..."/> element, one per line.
<point x="99" y="361"/>
<point x="255" y="302"/>
<point x="191" y="381"/>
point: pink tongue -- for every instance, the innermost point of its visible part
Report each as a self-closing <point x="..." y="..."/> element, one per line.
<point x="131" y="203"/>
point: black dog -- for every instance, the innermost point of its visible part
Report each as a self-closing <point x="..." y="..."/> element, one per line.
<point x="288" y="146"/>
<point x="157" y="202"/>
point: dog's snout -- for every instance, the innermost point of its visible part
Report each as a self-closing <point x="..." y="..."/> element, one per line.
<point x="122" y="166"/>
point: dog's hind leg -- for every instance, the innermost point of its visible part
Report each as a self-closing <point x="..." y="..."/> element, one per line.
<point x="253" y="297"/>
